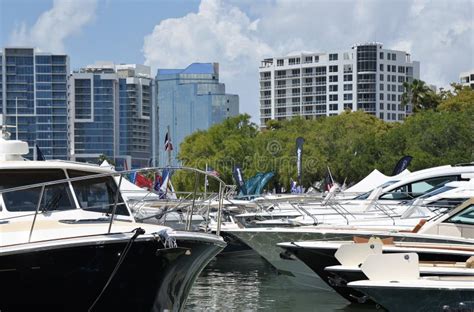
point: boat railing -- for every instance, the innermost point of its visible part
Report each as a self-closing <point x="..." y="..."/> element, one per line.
<point x="110" y="210"/>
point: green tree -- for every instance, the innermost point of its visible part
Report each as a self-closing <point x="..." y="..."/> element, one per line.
<point x="419" y="95"/>
<point x="460" y="99"/>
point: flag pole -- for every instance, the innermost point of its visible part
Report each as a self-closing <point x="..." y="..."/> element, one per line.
<point x="330" y="175"/>
<point x="205" y="183"/>
<point x="169" y="149"/>
<point x="16" y="117"/>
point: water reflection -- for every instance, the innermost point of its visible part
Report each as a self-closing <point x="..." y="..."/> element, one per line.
<point x="250" y="284"/>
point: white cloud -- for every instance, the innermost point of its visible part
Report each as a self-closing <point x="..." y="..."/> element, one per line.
<point x="64" y="19"/>
<point x="218" y="32"/>
<point x="438" y="33"/>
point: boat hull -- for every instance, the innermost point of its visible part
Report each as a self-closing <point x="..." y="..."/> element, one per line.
<point x="400" y="299"/>
<point x="320" y="258"/>
<point x="71" y="278"/>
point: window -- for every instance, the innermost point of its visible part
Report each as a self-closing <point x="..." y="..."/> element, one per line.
<point x="381" y="87"/>
<point x="394" y="57"/>
<point x="465" y="216"/>
<point x="55" y="197"/>
<point x="447" y="203"/>
<point x="97" y="194"/>
<point x="280" y="62"/>
<point x="401" y="79"/>
<point x="381" y="67"/>
<point x="332" y="97"/>
<point x="348" y="87"/>
<point x="333" y="107"/>
<point x="394" y="107"/>
<point x="381" y="55"/>
<point x="348" y="106"/>
<point x="333" y="57"/>
<point x="293" y="61"/>
<point x="394" y="78"/>
<point x="308" y="59"/>
<point x="332" y="88"/>
<point x="401" y="69"/>
<point x="394" y="97"/>
<point x="348" y="97"/>
<point x="348" y="68"/>
<point x="394" y="88"/>
<point x="418" y="188"/>
<point x="381" y="96"/>
<point x="381" y="77"/>
<point x="394" y="69"/>
<point x="381" y="106"/>
<point x="333" y="69"/>
<point x="381" y="115"/>
<point x="389" y="56"/>
<point x="316" y="58"/>
<point x="347" y="77"/>
<point x="400" y="88"/>
<point x="295" y="72"/>
<point x="333" y="78"/>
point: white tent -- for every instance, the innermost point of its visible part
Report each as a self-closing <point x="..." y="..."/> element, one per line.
<point x="374" y="179"/>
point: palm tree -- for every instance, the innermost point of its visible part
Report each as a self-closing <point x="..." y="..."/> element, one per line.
<point x="419" y="95"/>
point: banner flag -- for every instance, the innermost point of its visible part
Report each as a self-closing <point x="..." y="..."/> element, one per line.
<point x="299" y="158"/>
<point x="401" y="165"/>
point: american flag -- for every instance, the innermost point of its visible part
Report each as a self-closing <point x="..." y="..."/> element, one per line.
<point x="168" y="144"/>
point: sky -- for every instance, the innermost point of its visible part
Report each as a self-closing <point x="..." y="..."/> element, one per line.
<point x="239" y="33"/>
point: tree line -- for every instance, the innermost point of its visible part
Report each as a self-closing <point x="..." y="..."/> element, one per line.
<point x="352" y="144"/>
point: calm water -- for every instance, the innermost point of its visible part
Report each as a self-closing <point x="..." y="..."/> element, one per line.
<point x="251" y="284"/>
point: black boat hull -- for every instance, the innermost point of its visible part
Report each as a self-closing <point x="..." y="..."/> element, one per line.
<point x="150" y="278"/>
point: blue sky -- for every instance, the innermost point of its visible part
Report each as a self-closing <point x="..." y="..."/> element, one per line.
<point x="239" y="33"/>
<point x="115" y="33"/>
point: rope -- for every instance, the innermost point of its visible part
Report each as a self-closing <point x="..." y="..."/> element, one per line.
<point x="138" y="231"/>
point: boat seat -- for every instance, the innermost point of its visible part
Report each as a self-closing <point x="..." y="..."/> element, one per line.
<point x="417" y="227"/>
<point x="470" y="263"/>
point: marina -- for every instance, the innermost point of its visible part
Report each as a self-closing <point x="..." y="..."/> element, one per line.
<point x="223" y="251"/>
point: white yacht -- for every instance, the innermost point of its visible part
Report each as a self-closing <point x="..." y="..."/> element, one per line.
<point x="69" y="242"/>
<point x="386" y="199"/>
<point x="264" y="240"/>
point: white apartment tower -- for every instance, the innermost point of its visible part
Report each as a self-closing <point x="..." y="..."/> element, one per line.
<point x="306" y="84"/>
<point x="467" y="79"/>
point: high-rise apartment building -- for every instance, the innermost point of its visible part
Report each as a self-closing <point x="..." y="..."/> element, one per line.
<point x="33" y="99"/>
<point x="467" y="79"/>
<point x="110" y="114"/>
<point x="190" y="99"/>
<point x="367" y="77"/>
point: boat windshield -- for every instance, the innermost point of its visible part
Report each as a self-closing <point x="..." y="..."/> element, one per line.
<point x="97" y="194"/>
<point x="367" y="194"/>
<point x="55" y="197"/>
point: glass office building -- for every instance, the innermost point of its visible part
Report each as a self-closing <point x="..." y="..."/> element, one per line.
<point x="188" y="100"/>
<point x="33" y="99"/>
<point x="111" y="107"/>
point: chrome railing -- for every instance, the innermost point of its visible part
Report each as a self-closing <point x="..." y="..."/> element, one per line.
<point x="109" y="209"/>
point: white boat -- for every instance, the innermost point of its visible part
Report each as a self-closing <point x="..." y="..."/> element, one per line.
<point x="322" y="256"/>
<point x="264" y="240"/>
<point x="69" y="242"/>
<point x="382" y="200"/>
<point x="401" y="288"/>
